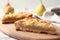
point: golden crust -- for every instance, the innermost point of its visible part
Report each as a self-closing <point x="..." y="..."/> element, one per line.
<point x="35" y="25"/>
<point x="10" y="18"/>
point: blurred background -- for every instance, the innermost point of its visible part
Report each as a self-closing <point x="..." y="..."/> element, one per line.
<point x="31" y="4"/>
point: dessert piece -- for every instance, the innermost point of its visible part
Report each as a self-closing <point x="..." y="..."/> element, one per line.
<point x="8" y="9"/>
<point x="35" y="25"/>
<point x="11" y="18"/>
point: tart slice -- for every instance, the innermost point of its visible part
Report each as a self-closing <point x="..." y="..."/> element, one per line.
<point x="11" y="18"/>
<point x="35" y="25"/>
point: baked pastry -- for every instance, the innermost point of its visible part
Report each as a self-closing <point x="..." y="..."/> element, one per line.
<point x="35" y="25"/>
<point x="11" y="18"/>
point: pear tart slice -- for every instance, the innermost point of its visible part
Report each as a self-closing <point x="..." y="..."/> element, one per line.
<point x="35" y="25"/>
<point x="11" y="18"/>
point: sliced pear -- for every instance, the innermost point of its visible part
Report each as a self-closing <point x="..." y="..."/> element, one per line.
<point x="8" y="9"/>
<point x="40" y="9"/>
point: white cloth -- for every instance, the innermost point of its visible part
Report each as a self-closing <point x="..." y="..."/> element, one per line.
<point x="5" y="37"/>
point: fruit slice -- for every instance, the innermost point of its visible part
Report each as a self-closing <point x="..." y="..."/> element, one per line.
<point x="40" y="9"/>
<point x="8" y="9"/>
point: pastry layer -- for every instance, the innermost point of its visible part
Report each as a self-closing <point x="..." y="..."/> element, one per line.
<point x="10" y="18"/>
<point x="35" y="25"/>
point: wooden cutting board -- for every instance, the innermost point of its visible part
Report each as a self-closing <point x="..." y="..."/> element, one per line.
<point x="9" y="29"/>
